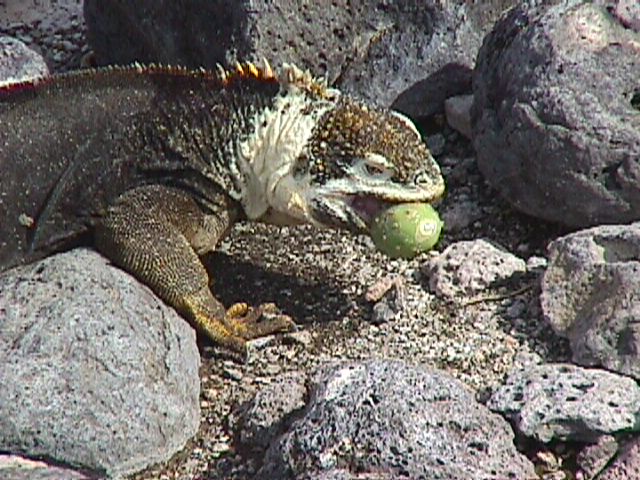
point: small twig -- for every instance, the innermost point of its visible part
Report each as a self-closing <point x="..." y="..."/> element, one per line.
<point x="498" y="297"/>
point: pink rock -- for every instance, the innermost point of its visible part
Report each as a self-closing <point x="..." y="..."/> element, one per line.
<point x="627" y="465"/>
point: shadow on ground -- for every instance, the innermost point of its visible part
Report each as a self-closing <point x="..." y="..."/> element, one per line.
<point x="306" y="301"/>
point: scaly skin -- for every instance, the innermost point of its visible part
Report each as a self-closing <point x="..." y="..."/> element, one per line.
<point x="157" y="163"/>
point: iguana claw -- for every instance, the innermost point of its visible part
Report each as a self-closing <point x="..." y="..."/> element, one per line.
<point x="253" y="322"/>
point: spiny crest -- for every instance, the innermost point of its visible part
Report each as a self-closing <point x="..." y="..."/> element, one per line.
<point x="88" y="73"/>
<point x="303" y="79"/>
<point x="243" y="71"/>
<point x="246" y="70"/>
<point x="290" y="76"/>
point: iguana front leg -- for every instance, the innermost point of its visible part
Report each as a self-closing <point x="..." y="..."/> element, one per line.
<point x="157" y="233"/>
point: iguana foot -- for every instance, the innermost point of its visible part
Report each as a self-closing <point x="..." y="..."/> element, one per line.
<point x="252" y="322"/>
<point x="237" y="324"/>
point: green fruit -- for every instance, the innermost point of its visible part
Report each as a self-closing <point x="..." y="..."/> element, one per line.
<point x="407" y="229"/>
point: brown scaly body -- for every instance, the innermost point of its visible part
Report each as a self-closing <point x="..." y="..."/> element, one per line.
<point x="155" y="164"/>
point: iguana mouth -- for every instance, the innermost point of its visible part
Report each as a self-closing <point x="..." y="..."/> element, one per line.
<point x="367" y="206"/>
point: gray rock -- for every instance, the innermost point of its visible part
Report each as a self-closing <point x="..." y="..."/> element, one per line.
<point x="410" y="54"/>
<point x="593" y="458"/>
<point x="13" y="467"/>
<point x="383" y="311"/>
<point x="260" y="420"/>
<point x="96" y="372"/>
<point x="460" y="215"/>
<point x="468" y="267"/>
<point x="390" y="297"/>
<point x="627" y="12"/>
<point x="556" y="113"/>
<point x="458" y="112"/>
<point x="461" y="172"/>
<point x="300" y="337"/>
<point x="563" y="401"/>
<point x="536" y="264"/>
<point x="53" y="29"/>
<point x="393" y="420"/>
<point x="436" y="143"/>
<point x="515" y="310"/>
<point x="18" y="62"/>
<point x="626" y="466"/>
<point x="343" y="474"/>
<point x="590" y="295"/>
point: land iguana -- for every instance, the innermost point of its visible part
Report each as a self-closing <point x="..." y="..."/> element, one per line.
<point x="154" y="164"/>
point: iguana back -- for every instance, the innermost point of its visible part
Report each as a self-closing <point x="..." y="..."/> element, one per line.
<point x="70" y="144"/>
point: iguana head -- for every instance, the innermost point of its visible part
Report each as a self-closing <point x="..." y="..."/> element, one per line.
<point x="359" y="160"/>
<point x="325" y="158"/>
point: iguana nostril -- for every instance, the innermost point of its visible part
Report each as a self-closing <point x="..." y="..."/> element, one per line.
<point x="426" y="178"/>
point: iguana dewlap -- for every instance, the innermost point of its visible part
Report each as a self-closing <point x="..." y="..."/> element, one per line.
<point x="155" y="164"/>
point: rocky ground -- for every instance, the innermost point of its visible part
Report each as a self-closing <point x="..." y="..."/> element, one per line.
<point x="321" y="279"/>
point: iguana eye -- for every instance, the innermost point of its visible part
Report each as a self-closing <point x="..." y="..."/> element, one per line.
<point x="376" y="165"/>
<point x="374" y="170"/>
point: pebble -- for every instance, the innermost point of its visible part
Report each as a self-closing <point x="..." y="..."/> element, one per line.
<point x="436" y="144"/>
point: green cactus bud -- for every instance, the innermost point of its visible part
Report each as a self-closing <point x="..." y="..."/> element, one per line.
<point x="407" y="229"/>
